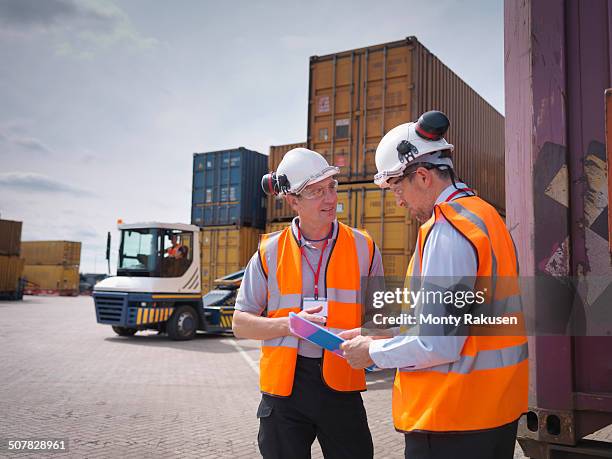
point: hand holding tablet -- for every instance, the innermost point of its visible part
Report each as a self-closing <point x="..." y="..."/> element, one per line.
<point x="318" y="335"/>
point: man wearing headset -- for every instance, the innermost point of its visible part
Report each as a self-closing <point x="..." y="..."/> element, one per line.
<point x="314" y="267"/>
<point x="459" y="391"/>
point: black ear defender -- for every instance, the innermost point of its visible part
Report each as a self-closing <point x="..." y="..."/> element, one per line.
<point x="273" y="184"/>
<point x="432" y="125"/>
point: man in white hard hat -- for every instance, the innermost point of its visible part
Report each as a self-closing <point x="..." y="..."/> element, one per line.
<point x="314" y="267"/>
<point x="459" y="391"/>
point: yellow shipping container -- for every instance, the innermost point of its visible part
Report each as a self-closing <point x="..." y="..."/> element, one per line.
<point x="277" y="209"/>
<point x="224" y="250"/>
<point x="276" y="226"/>
<point x="365" y="206"/>
<point x="51" y="253"/>
<point x="11" y="269"/>
<point x="59" y="279"/>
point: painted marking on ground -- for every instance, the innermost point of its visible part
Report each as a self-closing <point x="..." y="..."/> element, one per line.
<point x="252" y="363"/>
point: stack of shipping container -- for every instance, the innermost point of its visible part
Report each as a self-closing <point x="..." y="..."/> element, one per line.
<point x="11" y="265"/>
<point x="51" y="267"/>
<point x="230" y="207"/>
<point x="357" y="96"/>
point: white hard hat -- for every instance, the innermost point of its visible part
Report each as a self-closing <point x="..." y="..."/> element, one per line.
<point x="299" y="168"/>
<point x="412" y="143"/>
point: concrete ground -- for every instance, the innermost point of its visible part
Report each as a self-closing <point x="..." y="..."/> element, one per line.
<point x="64" y="376"/>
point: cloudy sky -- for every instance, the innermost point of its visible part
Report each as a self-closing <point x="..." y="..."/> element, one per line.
<point x="103" y="102"/>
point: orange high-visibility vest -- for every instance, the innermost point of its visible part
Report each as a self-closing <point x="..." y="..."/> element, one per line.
<point x="350" y="260"/>
<point x="487" y="387"/>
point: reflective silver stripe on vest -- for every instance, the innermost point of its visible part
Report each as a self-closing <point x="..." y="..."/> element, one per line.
<point x="476" y="220"/>
<point x="483" y="360"/>
<point x="277" y="301"/>
<point x="512" y="304"/>
<point x="271" y="254"/>
<point x="363" y="258"/>
<point x="363" y="252"/>
<point x="341" y="295"/>
<point x="488" y="359"/>
<point x="290" y="300"/>
<point x="471" y="216"/>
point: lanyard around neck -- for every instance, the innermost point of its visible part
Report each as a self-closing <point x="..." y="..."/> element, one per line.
<point x="456" y="192"/>
<point x="318" y="271"/>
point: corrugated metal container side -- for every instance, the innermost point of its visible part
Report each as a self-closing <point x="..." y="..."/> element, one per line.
<point x="357" y="96"/>
<point x="10" y="237"/>
<point x="51" y="252"/>
<point x="278" y="151"/>
<point x="277" y="208"/>
<point x="227" y="190"/>
<point x="53" y="279"/>
<point x="224" y="250"/>
<point x="273" y="227"/>
<point x="476" y="131"/>
<point x="558" y="56"/>
<point x="365" y="206"/>
<point x="11" y="269"/>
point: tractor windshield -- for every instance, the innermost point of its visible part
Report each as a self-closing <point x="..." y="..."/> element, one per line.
<point x="140" y="252"/>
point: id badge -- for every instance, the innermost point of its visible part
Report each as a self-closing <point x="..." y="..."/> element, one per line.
<point x="312" y="303"/>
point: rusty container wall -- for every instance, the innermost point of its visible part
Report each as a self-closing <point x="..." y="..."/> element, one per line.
<point x="11" y="269"/>
<point x="277" y="208"/>
<point x="224" y="250"/>
<point x="63" y="280"/>
<point x="365" y="206"/>
<point x="10" y="237"/>
<point x="609" y="159"/>
<point x="356" y="96"/>
<point x="51" y="252"/>
<point x="558" y="55"/>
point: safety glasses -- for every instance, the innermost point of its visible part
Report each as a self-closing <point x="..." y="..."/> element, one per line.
<point x="319" y="192"/>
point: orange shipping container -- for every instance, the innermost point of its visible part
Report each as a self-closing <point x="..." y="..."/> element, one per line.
<point x="357" y="96"/>
<point x="51" y="252"/>
<point x="59" y="279"/>
<point x="278" y="209"/>
<point x="11" y="269"/>
<point x="224" y="250"/>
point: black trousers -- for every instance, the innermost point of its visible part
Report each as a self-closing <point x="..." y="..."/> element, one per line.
<point x="289" y="425"/>
<point x="496" y="443"/>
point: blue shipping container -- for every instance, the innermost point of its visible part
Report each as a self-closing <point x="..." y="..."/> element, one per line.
<point x="226" y="188"/>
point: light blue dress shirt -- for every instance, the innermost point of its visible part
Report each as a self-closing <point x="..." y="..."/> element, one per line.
<point x="447" y="254"/>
